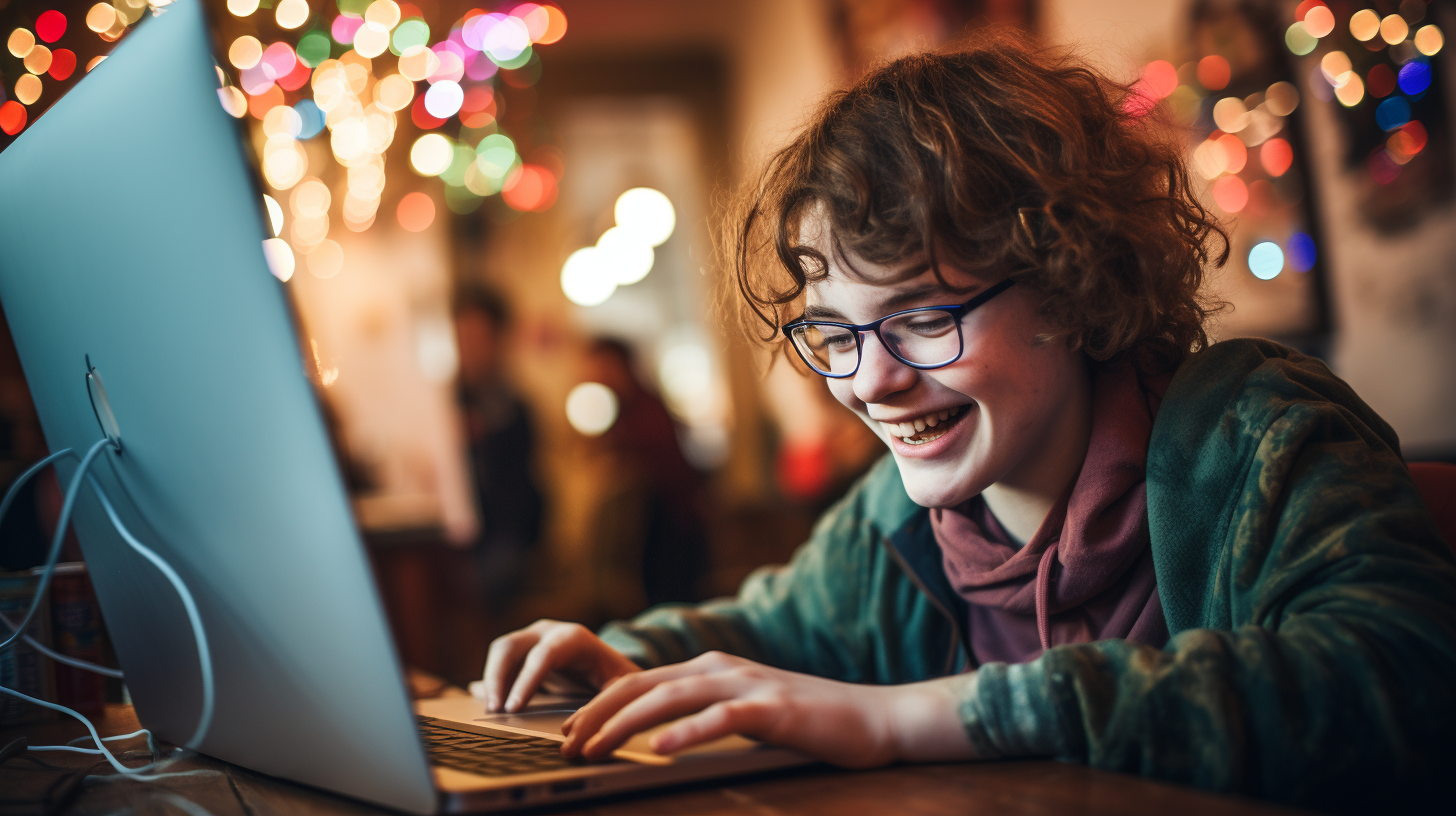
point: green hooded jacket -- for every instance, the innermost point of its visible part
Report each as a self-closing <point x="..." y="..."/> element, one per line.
<point x="1310" y="600"/>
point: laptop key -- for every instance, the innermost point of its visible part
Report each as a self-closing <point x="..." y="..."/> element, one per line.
<point x="489" y="755"/>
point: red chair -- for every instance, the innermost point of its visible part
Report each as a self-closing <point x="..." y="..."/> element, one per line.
<point x="1437" y="483"/>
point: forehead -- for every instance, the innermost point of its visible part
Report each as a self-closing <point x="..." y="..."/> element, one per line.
<point x="858" y="299"/>
<point x="850" y="277"/>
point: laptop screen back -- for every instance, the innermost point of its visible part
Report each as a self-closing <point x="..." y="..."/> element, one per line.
<point x="130" y="231"/>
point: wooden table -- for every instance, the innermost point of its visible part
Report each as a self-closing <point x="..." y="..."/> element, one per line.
<point x="968" y="789"/>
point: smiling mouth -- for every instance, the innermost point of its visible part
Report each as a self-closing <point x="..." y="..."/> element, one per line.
<point x="927" y="428"/>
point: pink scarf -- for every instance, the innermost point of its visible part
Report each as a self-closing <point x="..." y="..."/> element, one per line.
<point x="1087" y="573"/>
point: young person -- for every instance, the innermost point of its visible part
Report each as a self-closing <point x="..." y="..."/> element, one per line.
<point x="1096" y="536"/>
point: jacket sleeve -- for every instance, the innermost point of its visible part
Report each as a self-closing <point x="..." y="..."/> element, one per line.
<point x="1321" y="674"/>
<point x="840" y="608"/>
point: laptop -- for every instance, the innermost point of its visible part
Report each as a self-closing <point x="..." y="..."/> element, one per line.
<point x="131" y="231"/>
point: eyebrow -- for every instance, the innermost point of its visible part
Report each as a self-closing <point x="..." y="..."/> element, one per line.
<point x="894" y="302"/>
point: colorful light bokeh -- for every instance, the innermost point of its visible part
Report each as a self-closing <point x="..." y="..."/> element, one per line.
<point x="1231" y="194"/>
<point x="623" y="255"/>
<point x="1429" y="39"/>
<point x="1266" y="260"/>
<point x="1214" y="72"/>
<point x="47" y="62"/>
<point x="1301" y="252"/>
<point x="416" y="211"/>
<point x="1276" y="156"/>
<point x="1247" y="154"/>
<point x="63" y="64"/>
<point x="591" y="408"/>
<point x="1401" y="77"/>
<point x="50" y="26"/>
<point x="19" y="43"/>
<point x="356" y="77"/>
<point x="12" y="117"/>
<point x="1364" y="25"/>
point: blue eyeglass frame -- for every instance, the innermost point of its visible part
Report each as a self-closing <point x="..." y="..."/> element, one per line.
<point x="959" y="310"/>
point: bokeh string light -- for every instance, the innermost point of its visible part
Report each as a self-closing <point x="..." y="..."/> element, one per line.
<point x="591" y="408"/>
<point x="1247" y="156"/>
<point x="416" y="211"/>
<point x="50" y="25"/>
<point x="19" y="43"/>
<point x="47" y="54"/>
<point x="63" y="64"/>
<point x="38" y="60"/>
<point x="1266" y="260"/>
<point x="12" y="117"/>
<point x="352" y="73"/>
<point x="1402" y="47"/>
<point x="624" y="254"/>
<point x="28" y="89"/>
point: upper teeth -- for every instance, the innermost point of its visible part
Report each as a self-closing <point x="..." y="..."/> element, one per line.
<point x="909" y="428"/>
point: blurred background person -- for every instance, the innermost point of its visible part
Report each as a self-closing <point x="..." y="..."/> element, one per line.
<point x="501" y="442"/>
<point x="652" y="529"/>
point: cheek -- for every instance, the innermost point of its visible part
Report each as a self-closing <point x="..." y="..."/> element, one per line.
<point x="1013" y="376"/>
<point x="843" y="390"/>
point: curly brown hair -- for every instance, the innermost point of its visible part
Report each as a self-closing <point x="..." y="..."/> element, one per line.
<point x="1001" y="160"/>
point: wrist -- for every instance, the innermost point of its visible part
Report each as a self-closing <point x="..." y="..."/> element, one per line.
<point x="925" y="720"/>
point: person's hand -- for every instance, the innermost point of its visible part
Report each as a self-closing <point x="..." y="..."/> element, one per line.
<point x="857" y="726"/>
<point x="519" y="661"/>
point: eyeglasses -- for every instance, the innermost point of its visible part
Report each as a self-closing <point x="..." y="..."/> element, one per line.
<point x="924" y="338"/>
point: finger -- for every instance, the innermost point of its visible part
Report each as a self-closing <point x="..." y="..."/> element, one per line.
<point x="502" y="663"/>
<point x="663" y="703"/>
<point x="587" y="719"/>
<point x="570" y="722"/>
<point x="609" y="665"/>
<point x="629" y="686"/>
<point x="719" y="720"/>
<point x="552" y="651"/>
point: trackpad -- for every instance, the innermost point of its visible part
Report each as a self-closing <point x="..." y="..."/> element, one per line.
<point x="545" y="713"/>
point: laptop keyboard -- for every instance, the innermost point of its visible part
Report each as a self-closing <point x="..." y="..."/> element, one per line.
<point x="489" y="755"/>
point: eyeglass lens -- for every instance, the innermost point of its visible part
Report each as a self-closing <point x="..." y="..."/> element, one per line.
<point x="924" y="338"/>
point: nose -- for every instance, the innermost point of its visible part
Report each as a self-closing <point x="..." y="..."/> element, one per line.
<point x="880" y="374"/>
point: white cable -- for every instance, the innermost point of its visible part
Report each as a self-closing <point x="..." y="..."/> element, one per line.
<point x="58" y="538"/>
<point x="30" y="641"/>
<point x="61" y="658"/>
<point x="71" y="746"/>
<point x="75" y="662"/>
<point x="73" y="749"/>
<point x="200" y="636"/>
<point x="45" y="578"/>
<point x="136" y="733"/>
<point x="204" y="655"/>
<point x="89" y="727"/>
<point x="25" y="477"/>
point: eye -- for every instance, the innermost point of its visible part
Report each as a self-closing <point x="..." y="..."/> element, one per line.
<point x="930" y="324"/>
<point x="839" y="341"/>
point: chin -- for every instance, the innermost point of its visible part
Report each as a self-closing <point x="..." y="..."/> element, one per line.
<point x="932" y="487"/>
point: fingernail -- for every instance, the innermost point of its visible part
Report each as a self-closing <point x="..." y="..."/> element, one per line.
<point x="663" y="744"/>
<point x="512" y="704"/>
<point x="493" y="704"/>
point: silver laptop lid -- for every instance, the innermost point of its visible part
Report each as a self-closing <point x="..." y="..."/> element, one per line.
<point x="131" y="232"/>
